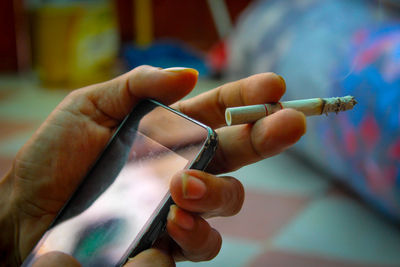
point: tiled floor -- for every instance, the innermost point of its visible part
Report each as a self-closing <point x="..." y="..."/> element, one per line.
<point x="292" y="215"/>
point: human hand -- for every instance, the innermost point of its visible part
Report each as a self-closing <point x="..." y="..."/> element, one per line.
<point x="50" y="166"/>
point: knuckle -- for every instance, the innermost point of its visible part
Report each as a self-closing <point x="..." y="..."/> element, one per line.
<point x="76" y="94"/>
<point x="214" y="248"/>
<point x="237" y="198"/>
<point x="233" y="197"/>
<point x="207" y="246"/>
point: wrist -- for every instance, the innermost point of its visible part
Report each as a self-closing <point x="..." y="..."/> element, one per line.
<point x="9" y="254"/>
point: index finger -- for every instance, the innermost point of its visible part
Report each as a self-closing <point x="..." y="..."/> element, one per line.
<point x="209" y="107"/>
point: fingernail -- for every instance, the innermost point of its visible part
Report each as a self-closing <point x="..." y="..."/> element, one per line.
<point x="181" y="218"/>
<point x="192" y="187"/>
<point x="181" y="69"/>
<point x="282" y="81"/>
<point x="305" y="123"/>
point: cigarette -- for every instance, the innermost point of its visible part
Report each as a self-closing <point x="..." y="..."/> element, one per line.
<point x="310" y="107"/>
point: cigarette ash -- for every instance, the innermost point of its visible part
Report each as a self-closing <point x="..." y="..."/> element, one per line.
<point x="337" y="104"/>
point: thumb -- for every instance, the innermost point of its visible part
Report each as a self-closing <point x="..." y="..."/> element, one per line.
<point x="115" y="98"/>
<point x="151" y="258"/>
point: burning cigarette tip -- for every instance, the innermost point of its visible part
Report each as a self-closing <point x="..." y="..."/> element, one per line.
<point x="337" y="104"/>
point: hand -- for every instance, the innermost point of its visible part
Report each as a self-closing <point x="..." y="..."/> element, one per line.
<point x="51" y="164"/>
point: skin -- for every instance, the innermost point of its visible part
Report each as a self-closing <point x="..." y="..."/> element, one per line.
<point x="51" y="164"/>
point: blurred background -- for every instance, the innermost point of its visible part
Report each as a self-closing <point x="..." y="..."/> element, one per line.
<point x="331" y="200"/>
<point x="68" y="44"/>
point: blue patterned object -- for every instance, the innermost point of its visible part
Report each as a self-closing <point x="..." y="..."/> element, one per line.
<point x="334" y="48"/>
<point x="369" y="137"/>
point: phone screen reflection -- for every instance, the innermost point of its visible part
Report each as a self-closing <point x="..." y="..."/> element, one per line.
<point x="104" y="230"/>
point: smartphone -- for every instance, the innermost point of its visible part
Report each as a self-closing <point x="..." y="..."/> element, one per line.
<point x="121" y="206"/>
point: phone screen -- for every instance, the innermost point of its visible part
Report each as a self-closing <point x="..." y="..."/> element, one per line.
<point x="125" y="189"/>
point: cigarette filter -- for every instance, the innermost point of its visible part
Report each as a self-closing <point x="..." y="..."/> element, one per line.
<point x="310" y="107"/>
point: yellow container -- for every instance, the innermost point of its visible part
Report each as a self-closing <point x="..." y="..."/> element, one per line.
<point x="75" y="45"/>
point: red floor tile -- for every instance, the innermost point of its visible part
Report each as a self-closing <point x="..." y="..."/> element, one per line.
<point x="262" y="215"/>
<point x="9" y="128"/>
<point x="290" y="259"/>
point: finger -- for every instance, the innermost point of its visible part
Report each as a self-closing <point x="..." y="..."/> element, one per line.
<point x="109" y="102"/>
<point x="55" y="259"/>
<point x="204" y="193"/>
<point x="151" y="258"/>
<point x="197" y="240"/>
<point x="209" y="107"/>
<point x="241" y="145"/>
